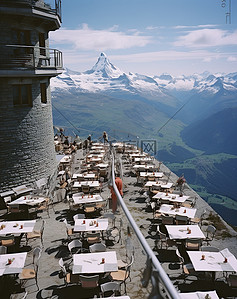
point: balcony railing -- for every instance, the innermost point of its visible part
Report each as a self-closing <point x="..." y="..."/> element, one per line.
<point x="29" y="57"/>
<point x="158" y="277"/>
<point x="51" y="6"/>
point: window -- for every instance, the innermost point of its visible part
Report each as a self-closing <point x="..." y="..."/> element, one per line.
<point x="22" y="95"/>
<point x="43" y="90"/>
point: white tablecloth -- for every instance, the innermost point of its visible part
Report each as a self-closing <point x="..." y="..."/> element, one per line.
<point x="90" y="224"/>
<point x="182" y="232"/>
<point x="18" y="262"/>
<point x="171" y="197"/>
<point x="84" y="175"/>
<point x="151" y="174"/>
<point x="89" y="183"/>
<point x="91" y="262"/>
<point x="213" y="262"/>
<point x="158" y="184"/>
<point x="28" y="200"/>
<point x="17" y="227"/>
<point x="169" y="209"/>
<point x="87" y="199"/>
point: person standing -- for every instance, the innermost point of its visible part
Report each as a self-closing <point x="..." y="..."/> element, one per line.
<point x="105" y="137"/>
<point x="119" y="184"/>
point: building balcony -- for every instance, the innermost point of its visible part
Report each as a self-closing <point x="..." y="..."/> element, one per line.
<point x="49" y="12"/>
<point x="29" y="60"/>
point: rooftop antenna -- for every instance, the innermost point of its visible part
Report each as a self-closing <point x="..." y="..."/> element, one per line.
<point x="228" y="13"/>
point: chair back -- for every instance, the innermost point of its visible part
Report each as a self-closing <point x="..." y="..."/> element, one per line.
<point x="85" y="188"/>
<point x="193" y="244"/>
<point x="167" y="219"/>
<point x="78" y="216"/>
<point x="180" y="219"/>
<point x="74" y="246"/>
<point x="8" y="240"/>
<point x="97" y="247"/>
<point x="3" y="249"/>
<point x="89" y="281"/>
<point x="63" y="268"/>
<point x="110" y="288"/>
<point x="209" y="248"/>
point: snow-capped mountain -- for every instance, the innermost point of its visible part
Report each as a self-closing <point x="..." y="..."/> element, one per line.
<point x="105" y="77"/>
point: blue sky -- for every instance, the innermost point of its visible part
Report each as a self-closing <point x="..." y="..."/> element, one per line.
<point x="149" y="36"/>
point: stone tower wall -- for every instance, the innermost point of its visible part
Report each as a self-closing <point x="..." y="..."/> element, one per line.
<point x="26" y="136"/>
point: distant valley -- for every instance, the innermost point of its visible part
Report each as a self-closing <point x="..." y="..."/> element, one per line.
<point x="192" y="118"/>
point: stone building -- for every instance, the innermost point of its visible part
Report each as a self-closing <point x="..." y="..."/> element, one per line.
<point x="26" y="65"/>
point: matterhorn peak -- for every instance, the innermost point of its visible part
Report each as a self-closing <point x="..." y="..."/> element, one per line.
<point x="104" y="67"/>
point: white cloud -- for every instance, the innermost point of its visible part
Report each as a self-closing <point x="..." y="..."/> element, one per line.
<point x="232" y="59"/>
<point x="195" y="26"/>
<point x="207" y="38"/>
<point x="99" y="40"/>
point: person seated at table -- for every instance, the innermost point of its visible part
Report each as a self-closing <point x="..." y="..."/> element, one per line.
<point x="119" y="184"/>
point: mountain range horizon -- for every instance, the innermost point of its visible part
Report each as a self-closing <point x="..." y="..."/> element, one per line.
<point x="191" y="118"/>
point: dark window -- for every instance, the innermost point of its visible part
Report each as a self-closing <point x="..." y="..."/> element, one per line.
<point x="22" y="95"/>
<point x="43" y="90"/>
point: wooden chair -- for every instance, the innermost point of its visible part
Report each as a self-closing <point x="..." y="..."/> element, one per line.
<point x="193" y="244"/>
<point x="69" y="229"/>
<point x="167" y="219"/>
<point x="187" y="268"/>
<point x="85" y="189"/>
<point x="8" y="240"/>
<point x="93" y="237"/>
<point x="90" y="208"/>
<point x="36" y="234"/>
<point x="123" y="275"/>
<point x="26" y="273"/>
<point x="181" y="220"/>
<point x="69" y="278"/>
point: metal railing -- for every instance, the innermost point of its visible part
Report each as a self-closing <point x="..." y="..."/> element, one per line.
<point x="29" y="57"/>
<point x="157" y="273"/>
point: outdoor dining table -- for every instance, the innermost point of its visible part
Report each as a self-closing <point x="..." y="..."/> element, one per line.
<point x="151" y="174"/>
<point x="184" y="232"/>
<point x="87" y="225"/>
<point x="171" y="210"/>
<point x="97" y="262"/>
<point x="85" y="176"/>
<point x="17" y="227"/>
<point x="28" y="200"/>
<point x="12" y="263"/>
<point x="171" y="197"/>
<point x="212" y="261"/>
<point x="199" y="295"/>
<point x="102" y="165"/>
<point x="142" y="159"/>
<point x="143" y="166"/>
<point x="89" y="183"/>
<point x="162" y="185"/>
<point x="87" y="199"/>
